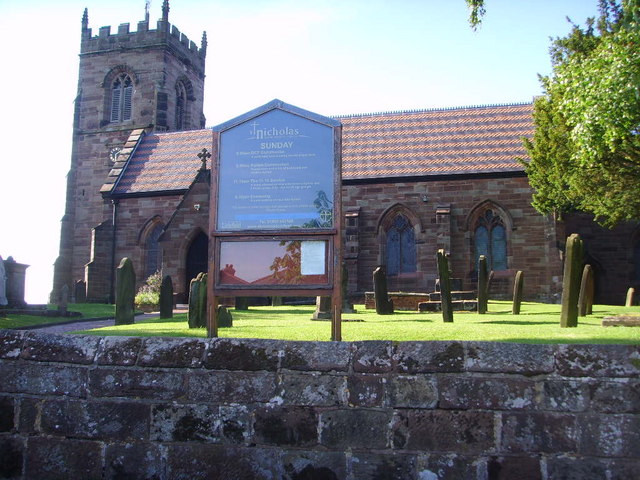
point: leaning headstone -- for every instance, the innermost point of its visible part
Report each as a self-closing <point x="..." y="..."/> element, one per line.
<point x="323" y="309"/>
<point x="63" y="302"/>
<point x="384" y="306"/>
<point x="80" y="291"/>
<point x="483" y="285"/>
<point x="630" y="297"/>
<point x="571" y="281"/>
<point x="445" y="286"/>
<point x="3" y="284"/>
<point x="192" y="315"/>
<point x="125" y="292"/>
<point x="202" y="301"/>
<point x="166" y="297"/>
<point x="587" y="289"/>
<point x="225" y="320"/>
<point x="517" y="292"/>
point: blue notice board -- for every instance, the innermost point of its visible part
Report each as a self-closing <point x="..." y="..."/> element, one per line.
<point x="276" y="172"/>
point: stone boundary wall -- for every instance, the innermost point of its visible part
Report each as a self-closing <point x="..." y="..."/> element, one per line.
<point x="180" y="408"/>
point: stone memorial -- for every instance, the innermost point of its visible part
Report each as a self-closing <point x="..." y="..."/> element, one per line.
<point x="3" y="284"/>
<point x="384" y="306"/>
<point x="80" y="291"/>
<point x="323" y="309"/>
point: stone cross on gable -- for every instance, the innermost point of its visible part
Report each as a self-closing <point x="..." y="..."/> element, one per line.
<point x="204" y="155"/>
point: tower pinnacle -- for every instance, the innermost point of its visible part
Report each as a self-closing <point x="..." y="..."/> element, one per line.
<point x="165" y="11"/>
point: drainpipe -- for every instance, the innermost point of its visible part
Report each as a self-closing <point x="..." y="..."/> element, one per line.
<point x="112" y="287"/>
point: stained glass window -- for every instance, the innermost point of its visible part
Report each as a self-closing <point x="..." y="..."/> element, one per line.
<point x="490" y="240"/>
<point x="401" y="247"/>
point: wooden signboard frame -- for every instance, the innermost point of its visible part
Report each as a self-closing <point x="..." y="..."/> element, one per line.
<point x="285" y="153"/>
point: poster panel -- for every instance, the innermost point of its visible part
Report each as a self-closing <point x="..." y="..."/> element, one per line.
<point x="276" y="172"/>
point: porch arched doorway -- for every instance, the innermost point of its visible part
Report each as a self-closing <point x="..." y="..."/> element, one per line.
<point x="197" y="258"/>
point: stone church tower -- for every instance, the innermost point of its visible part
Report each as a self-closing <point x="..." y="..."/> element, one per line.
<point x="149" y="79"/>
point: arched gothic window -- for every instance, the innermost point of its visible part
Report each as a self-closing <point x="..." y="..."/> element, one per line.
<point x="181" y="106"/>
<point x="490" y="240"/>
<point x="121" y="96"/>
<point x="153" y="252"/>
<point x="401" y="247"/>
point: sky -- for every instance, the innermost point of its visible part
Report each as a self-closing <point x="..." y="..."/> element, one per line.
<point x="332" y="57"/>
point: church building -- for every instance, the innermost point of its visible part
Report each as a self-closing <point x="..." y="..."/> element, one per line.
<point x="412" y="183"/>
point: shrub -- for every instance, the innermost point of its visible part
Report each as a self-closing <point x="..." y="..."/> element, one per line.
<point x="149" y="293"/>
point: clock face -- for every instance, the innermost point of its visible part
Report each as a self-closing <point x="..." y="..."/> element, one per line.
<point x="113" y="154"/>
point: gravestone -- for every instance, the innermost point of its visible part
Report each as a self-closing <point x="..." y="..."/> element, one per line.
<point x="242" y="303"/>
<point x="125" y="292"/>
<point x="15" y="282"/>
<point x="166" y="297"/>
<point x="225" y="320"/>
<point x="194" y="288"/>
<point x="384" y="306"/>
<point x="323" y="309"/>
<point x="80" y="291"/>
<point x="483" y="285"/>
<point x="63" y="303"/>
<point x="571" y="281"/>
<point x="3" y="284"/>
<point x="587" y="289"/>
<point x="518" y="284"/>
<point x="445" y="286"/>
<point x="630" y="297"/>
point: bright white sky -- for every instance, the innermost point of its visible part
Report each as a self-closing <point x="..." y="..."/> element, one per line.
<point x="332" y="57"/>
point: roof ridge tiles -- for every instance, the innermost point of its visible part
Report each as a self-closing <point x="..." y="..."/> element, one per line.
<point x="434" y="109"/>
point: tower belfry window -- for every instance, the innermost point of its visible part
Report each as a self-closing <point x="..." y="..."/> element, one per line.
<point x="181" y="106"/>
<point x="121" y="94"/>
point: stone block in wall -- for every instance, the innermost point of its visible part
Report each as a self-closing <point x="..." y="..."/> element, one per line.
<point x="171" y="352"/>
<point x="231" y="387"/>
<point x="609" y="435"/>
<point x="11" y="343"/>
<point x="11" y="456"/>
<point x="573" y="467"/>
<point x="235" y="424"/>
<point x="312" y="389"/>
<point x="366" y="390"/>
<point x="373" y="357"/>
<point x="450" y="466"/>
<point x="565" y="395"/>
<point x="41" y="379"/>
<point x="412" y="391"/>
<point x="373" y="465"/>
<point x="125" y="382"/>
<point x="314" y="464"/>
<point x="109" y="421"/>
<point x="207" y="461"/>
<point x="354" y="428"/>
<point x="60" y="348"/>
<point x="29" y="411"/>
<point x="185" y="423"/>
<point x="598" y="360"/>
<point x="522" y="468"/>
<point x="509" y="357"/>
<point x="122" y="351"/>
<point x="62" y="458"/>
<point x="318" y="356"/>
<point x="486" y="393"/>
<point x="424" y="357"/>
<point x="286" y="426"/>
<point x="6" y="414"/>
<point x="524" y="432"/>
<point x="133" y="460"/>
<point x="616" y="397"/>
<point x="234" y="354"/>
<point x="466" y="432"/>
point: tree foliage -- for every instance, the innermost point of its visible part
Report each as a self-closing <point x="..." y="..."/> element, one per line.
<point x="585" y="153"/>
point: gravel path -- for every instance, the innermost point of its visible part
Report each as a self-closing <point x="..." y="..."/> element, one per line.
<point x="87" y="324"/>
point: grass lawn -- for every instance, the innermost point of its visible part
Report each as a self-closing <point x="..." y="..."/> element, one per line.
<point x="538" y="323"/>
<point x="88" y="310"/>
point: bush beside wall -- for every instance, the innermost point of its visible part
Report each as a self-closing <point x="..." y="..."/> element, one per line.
<point x="168" y="408"/>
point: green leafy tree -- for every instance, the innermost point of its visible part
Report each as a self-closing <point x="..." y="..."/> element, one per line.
<point x="585" y="153"/>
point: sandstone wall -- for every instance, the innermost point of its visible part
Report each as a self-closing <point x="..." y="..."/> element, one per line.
<point x="161" y="408"/>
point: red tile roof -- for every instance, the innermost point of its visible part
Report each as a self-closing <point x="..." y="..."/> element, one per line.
<point x="469" y="140"/>
<point x="435" y="142"/>
<point x="164" y="162"/>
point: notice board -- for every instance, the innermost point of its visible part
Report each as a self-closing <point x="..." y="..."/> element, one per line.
<point x="276" y="207"/>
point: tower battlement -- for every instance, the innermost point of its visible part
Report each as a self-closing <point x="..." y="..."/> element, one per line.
<point x="165" y="35"/>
